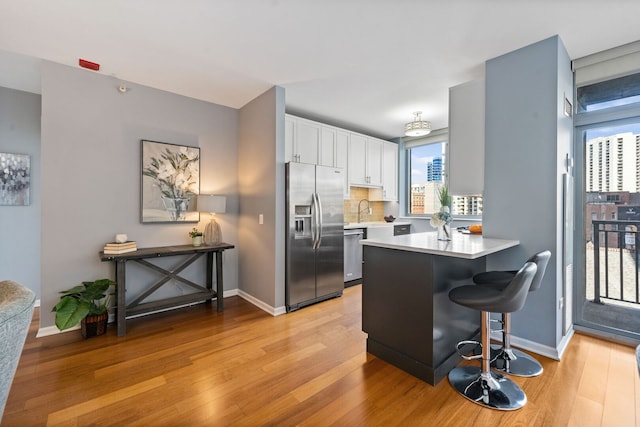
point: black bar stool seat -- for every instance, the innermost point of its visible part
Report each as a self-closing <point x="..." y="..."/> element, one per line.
<point x="481" y="385"/>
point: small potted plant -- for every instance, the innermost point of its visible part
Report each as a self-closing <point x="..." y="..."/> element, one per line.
<point x="85" y="304"/>
<point x="196" y="236"/>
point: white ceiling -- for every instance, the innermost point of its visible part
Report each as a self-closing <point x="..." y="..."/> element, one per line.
<point x="364" y="65"/>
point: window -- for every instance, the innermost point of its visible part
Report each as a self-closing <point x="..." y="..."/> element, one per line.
<point x="610" y="93"/>
<point x="427" y="172"/>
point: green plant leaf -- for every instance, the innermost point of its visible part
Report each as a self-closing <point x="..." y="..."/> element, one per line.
<point x="70" y="311"/>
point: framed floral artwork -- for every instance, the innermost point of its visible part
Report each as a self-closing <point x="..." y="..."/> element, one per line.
<point x="15" y="176"/>
<point x="170" y="182"/>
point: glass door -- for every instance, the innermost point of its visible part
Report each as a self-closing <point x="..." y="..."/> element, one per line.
<point x="607" y="192"/>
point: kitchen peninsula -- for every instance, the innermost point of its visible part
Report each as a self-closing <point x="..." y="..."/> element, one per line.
<point x="406" y="310"/>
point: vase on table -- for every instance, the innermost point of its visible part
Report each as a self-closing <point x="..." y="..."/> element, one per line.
<point x="441" y="220"/>
<point x="176" y="206"/>
<point x="444" y="232"/>
<point x="197" y="240"/>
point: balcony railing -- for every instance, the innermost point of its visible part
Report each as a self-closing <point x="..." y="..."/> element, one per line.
<point x="615" y="261"/>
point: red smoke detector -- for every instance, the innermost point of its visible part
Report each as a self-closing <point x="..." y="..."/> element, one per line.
<point x="88" y="64"/>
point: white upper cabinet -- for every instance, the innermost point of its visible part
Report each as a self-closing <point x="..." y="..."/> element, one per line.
<point x="307" y="141"/>
<point x="342" y="158"/>
<point x="365" y="161"/>
<point x="374" y="161"/>
<point x="289" y="137"/>
<point x="466" y="138"/>
<point x="327" y="150"/>
<point x="357" y="160"/>
<point x="389" y="190"/>
<point x="390" y="172"/>
<point x="302" y="140"/>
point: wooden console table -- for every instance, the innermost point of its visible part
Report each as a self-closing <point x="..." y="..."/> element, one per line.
<point x="137" y="307"/>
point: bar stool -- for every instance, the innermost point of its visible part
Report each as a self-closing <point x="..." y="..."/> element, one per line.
<point x="481" y="385"/>
<point x="506" y="358"/>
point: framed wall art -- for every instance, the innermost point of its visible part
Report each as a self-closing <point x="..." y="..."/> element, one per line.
<point x="170" y="182"/>
<point x="15" y="175"/>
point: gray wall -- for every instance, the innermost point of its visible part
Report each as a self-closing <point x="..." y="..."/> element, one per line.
<point x="261" y="183"/>
<point x="526" y="140"/>
<point x="20" y="225"/>
<point x="91" y="171"/>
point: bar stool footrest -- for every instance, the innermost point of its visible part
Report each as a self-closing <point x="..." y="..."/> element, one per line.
<point x="476" y="354"/>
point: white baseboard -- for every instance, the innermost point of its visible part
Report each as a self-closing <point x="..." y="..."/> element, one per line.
<point x="52" y="330"/>
<point x="543" y="350"/>
<point x="274" y="311"/>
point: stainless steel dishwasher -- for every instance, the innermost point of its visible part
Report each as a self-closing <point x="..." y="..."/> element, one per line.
<point x="353" y="254"/>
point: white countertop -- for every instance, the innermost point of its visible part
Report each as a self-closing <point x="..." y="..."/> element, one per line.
<point x="372" y="224"/>
<point x="469" y="246"/>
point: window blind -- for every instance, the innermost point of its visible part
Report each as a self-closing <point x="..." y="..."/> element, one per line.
<point x="608" y="64"/>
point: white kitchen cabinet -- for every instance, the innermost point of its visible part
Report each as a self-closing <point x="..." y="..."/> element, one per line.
<point x="390" y="172"/>
<point x="389" y="190"/>
<point x="289" y="137"/>
<point x="327" y="149"/>
<point x="358" y="160"/>
<point x="342" y="159"/>
<point x="365" y="161"/>
<point x="466" y="138"/>
<point x="302" y="140"/>
<point x="307" y="141"/>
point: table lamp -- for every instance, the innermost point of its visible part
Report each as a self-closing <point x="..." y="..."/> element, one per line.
<point x="213" y="205"/>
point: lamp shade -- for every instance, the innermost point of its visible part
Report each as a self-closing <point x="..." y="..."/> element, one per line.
<point x="211" y="203"/>
<point x="417" y="127"/>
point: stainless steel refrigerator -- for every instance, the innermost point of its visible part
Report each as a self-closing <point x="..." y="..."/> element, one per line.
<point x="315" y="230"/>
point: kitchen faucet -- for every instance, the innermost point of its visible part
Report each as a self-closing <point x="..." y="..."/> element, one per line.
<point x="360" y="209"/>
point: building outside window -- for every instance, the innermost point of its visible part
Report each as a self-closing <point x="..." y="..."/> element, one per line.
<point x="427" y="171"/>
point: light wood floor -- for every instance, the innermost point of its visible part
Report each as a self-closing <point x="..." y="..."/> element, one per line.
<point x="194" y="367"/>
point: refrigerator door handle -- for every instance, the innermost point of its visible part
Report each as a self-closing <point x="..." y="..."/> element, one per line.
<point x="320" y="225"/>
<point x="314" y="222"/>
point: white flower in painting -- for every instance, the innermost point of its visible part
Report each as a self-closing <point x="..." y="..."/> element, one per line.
<point x="175" y="172"/>
<point x="181" y="182"/>
<point x="166" y="171"/>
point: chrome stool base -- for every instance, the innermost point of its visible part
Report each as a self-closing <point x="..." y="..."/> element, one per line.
<point x="487" y="389"/>
<point x="514" y="362"/>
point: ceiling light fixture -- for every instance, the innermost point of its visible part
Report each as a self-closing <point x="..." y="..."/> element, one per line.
<point x="417" y="127"/>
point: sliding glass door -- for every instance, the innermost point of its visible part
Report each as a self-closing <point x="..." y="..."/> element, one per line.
<point x="608" y="286"/>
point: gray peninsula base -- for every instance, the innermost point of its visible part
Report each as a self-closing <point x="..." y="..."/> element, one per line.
<point x="407" y="314"/>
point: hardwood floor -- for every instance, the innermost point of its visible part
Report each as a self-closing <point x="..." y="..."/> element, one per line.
<point x="196" y="367"/>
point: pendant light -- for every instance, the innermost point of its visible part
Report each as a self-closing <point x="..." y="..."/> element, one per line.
<point x="417" y="127"/>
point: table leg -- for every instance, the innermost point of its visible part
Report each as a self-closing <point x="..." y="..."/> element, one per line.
<point x="219" y="284"/>
<point x="121" y="302"/>
<point x="209" y="273"/>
